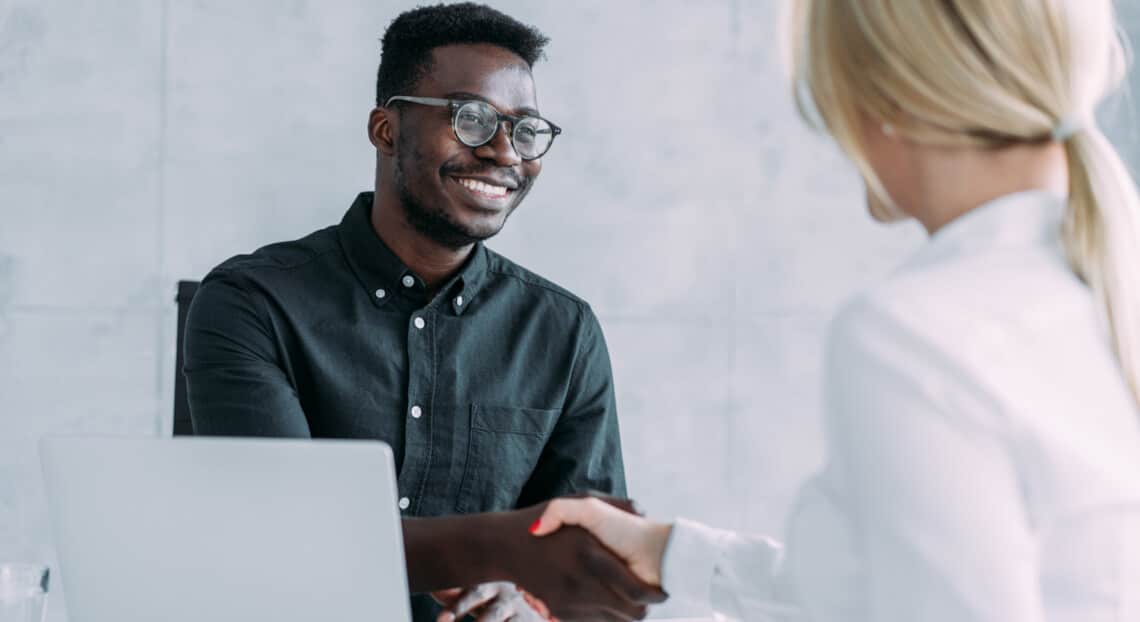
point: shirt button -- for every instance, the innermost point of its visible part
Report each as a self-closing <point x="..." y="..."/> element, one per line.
<point x="409" y="280"/>
<point x="405" y="502"/>
<point x="459" y="301"/>
<point x="417" y="412"/>
<point x="381" y="293"/>
<point x="419" y="322"/>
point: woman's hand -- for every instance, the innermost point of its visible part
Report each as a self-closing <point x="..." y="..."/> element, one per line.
<point x="636" y="540"/>
<point x="500" y="601"/>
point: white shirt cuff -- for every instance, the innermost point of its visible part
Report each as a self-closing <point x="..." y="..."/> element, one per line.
<point x="689" y="562"/>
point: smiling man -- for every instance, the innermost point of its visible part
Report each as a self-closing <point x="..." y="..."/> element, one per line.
<point x="491" y="384"/>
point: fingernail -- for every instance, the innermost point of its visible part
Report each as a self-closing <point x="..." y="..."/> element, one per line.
<point x="535" y="525"/>
<point x="446" y="617"/>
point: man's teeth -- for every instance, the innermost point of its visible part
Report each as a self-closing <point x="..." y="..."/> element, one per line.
<point x="483" y="188"/>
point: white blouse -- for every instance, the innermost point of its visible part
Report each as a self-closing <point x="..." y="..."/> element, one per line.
<point x="984" y="452"/>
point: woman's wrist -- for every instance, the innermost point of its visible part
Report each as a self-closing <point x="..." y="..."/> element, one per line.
<point x="659" y="534"/>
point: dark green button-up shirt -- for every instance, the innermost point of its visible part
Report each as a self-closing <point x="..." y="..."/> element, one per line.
<point x="494" y="394"/>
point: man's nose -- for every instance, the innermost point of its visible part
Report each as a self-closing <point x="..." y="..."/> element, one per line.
<point x="499" y="148"/>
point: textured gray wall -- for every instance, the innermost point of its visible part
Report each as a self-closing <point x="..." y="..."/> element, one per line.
<point x="143" y="141"/>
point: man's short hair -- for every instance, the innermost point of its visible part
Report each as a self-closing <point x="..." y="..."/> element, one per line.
<point x="405" y="52"/>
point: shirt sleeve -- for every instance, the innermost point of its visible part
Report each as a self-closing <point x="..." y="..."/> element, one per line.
<point x="937" y="505"/>
<point x="236" y="382"/>
<point x="584" y="451"/>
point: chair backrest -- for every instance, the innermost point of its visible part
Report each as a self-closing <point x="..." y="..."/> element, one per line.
<point x="182" y="423"/>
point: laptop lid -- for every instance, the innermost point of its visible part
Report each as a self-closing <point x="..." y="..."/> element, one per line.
<point x="227" y="530"/>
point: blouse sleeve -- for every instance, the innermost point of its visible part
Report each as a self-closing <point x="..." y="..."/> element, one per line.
<point x="937" y="507"/>
<point x="731" y="574"/>
<point x="919" y="514"/>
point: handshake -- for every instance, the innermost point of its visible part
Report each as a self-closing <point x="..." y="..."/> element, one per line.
<point x="579" y="558"/>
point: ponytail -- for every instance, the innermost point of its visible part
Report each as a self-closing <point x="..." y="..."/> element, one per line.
<point x="1101" y="236"/>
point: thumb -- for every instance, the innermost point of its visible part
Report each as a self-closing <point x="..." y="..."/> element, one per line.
<point x="563" y="513"/>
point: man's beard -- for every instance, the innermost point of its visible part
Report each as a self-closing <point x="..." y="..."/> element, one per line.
<point x="435" y="223"/>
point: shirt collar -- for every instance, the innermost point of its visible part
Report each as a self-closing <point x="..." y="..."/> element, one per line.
<point x="383" y="275"/>
<point x="1016" y="220"/>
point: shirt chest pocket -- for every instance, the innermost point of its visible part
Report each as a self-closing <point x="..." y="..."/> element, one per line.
<point x="503" y="449"/>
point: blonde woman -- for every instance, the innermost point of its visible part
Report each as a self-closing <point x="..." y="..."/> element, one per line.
<point x="983" y="427"/>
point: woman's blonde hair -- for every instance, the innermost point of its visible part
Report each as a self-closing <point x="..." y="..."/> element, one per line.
<point x="988" y="74"/>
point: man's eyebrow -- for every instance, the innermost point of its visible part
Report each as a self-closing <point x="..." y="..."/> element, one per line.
<point x="524" y="111"/>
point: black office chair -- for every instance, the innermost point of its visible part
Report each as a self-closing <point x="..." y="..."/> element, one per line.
<point x="182" y="423"/>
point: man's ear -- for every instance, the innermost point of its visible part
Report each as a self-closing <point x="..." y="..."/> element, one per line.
<point x="382" y="130"/>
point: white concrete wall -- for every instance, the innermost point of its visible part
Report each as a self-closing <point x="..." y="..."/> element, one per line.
<point x="143" y="141"/>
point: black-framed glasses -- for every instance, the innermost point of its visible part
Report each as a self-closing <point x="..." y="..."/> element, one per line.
<point x="476" y="123"/>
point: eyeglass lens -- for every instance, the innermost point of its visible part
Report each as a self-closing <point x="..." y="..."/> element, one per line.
<point x="477" y="122"/>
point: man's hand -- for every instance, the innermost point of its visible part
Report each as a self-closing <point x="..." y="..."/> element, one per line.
<point x="573" y="573"/>
<point x="639" y="541"/>
<point x="502" y="600"/>
<point x="499" y="601"/>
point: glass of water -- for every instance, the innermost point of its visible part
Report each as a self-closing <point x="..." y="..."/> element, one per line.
<point x="23" y="588"/>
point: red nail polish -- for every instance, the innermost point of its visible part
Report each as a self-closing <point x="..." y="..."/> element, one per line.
<point x="535" y="525"/>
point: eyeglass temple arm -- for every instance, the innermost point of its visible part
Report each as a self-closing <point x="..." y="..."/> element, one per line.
<point x="430" y="101"/>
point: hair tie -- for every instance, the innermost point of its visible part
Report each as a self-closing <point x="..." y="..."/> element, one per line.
<point x="1067" y="128"/>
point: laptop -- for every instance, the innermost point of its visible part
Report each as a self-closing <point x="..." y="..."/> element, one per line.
<point x="226" y="530"/>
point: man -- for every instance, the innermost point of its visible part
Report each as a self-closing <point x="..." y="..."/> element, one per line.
<point x="491" y="384"/>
